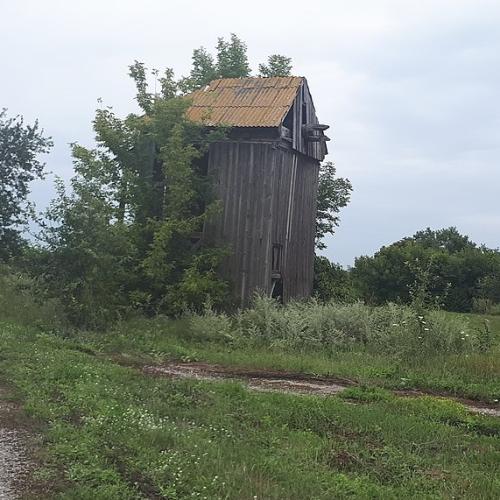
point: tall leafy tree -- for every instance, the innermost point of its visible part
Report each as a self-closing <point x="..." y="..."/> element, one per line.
<point x="333" y="194"/>
<point x="277" y="65"/>
<point x="20" y="147"/>
<point x="203" y="70"/>
<point x="143" y="197"/>
<point x="232" y="59"/>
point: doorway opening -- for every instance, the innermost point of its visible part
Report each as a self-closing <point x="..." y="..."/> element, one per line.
<point x="277" y="290"/>
<point x="277" y="279"/>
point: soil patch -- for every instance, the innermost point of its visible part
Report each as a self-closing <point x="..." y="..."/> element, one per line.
<point x="287" y="382"/>
<point x="264" y="380"/>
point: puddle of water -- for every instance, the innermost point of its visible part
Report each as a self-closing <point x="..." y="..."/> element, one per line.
<point x="256" y="383"/>
<point x="294" y="386"/>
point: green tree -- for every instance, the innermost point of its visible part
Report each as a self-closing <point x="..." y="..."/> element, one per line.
<point x="489" y="287"/>
<point x="232" y="59"/>
<point x="203" y="71"/>
<point x="448" y="239"/>
<point x="439" y="267"/>
<point x="88" y="257"/>
<point x="125" y="236"/>
<point x="277" y="65"/>
<point x="332" y="282"/>
<point x="20" y="147"/>
<point x="333" y="194"/>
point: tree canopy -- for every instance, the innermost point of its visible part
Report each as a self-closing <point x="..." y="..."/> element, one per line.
<point x="277" y="65"/>
<point x="20" y="149"/>
<point x="230" y="61"/>
<point x="334" y="194"/>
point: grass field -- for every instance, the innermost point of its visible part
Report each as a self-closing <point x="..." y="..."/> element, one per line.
<point x="112" y="432"/>
<point x="109" y="431"/>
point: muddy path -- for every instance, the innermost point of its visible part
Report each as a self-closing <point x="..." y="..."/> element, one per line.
<point x="294" y="383"/>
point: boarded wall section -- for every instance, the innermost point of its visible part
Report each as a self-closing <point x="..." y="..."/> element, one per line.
<point x="268" y="196"/>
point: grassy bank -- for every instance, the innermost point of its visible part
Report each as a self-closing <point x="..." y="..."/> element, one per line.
<point x="115" y="433"/>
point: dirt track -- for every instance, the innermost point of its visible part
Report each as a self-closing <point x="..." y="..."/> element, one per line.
<point x="288" y="382"/>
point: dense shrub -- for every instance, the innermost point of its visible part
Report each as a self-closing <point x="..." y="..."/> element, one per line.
<point x="332" y="281"/>
<point x="19" y="302"/>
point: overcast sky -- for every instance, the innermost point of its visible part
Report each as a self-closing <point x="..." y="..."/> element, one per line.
<point x="410" y="88"/>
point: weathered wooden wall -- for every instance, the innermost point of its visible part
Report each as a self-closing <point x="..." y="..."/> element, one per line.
<point x="269" y="198"/>
<point x="303" y="112"/>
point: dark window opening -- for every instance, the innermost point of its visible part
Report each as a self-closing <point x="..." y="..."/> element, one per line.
<point x="277" y="258"/>
<point x="288" y="121"/>
<point x="304" y="113"/>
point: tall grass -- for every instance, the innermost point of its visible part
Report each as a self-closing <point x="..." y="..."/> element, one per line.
<point x="391" y="329"/>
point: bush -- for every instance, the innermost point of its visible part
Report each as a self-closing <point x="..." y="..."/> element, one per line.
<point x="332" y="282"/>
<point x="20" y="303"/>
<point x="485" y="306"/>
<point x="211" y="326"/>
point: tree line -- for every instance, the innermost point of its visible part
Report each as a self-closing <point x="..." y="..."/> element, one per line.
<point x="435" y="268"/>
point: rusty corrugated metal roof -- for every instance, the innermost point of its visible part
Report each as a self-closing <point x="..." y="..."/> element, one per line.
<point x="244" y="102"/>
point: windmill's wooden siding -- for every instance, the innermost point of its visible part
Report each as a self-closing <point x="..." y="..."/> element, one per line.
<point x="268" y="195"/>
<point x="303" y="112"/>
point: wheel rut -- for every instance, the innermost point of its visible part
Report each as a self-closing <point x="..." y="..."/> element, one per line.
<point x="293" y="383"/>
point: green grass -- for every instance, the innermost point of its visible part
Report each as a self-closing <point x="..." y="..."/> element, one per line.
<point x="475" y="376"/>
<point x="117" y="434"/>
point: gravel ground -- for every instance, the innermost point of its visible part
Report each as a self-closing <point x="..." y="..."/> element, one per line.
<point x="13" y="462"/>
